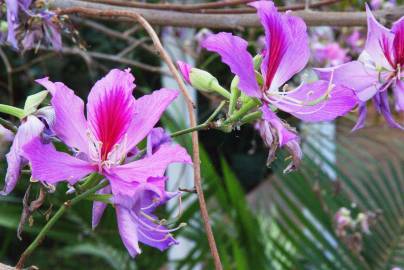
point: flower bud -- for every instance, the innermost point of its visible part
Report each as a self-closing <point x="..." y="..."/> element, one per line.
<point x="201" y="80"/>
<point x="3" y="26"/>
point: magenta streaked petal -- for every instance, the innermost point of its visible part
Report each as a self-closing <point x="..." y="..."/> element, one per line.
<point x="127" y="230"/>
<point x="110" y="108"/>
<point x="353" y="75"/>
<point x="152" y="166"/>
<point x="398" y="90"/>
<point x="185" y="70"/>
<point x="287" y="50"/>
<point x="379" y="43"/>
<point x="31" y="128"/>
<point x="398" y="42"/>
<point x="148" y="110"/>
<point x="70" y="125"/>
<point x="99" y="207"/>
<point x="340" y="100"/>
<point x="284" y="134"/>
<point x="51" y="166"/>
<point x="233" y="51"/>
<point x="360" y="123"/>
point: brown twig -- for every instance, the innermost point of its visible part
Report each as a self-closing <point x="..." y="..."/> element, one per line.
<point x="113" y="33"/>
<point x="195" y="143"/>
<point x="232" y="21"/>
<point x="176" y="7"/>
<point x="209" y="8"/>
<point x="253" y="10"/>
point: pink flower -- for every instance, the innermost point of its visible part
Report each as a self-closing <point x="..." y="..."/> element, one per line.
<point x="116" y="122"/>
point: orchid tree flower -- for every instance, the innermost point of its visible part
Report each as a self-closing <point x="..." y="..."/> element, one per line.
<point x="286" y="53"/>
<point x="29" y="23"/>
<point x="32" y="126"/>
<point x="379" y="67"/>
<point x="116" y="122"/>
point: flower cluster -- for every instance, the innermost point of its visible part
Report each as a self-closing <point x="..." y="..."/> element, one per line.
<point x="102" y="148"/>
<point x="26" y="23"/>
<point x="264" y="77"/>
<point x="379" y="68"/>
<point x="350" y="230"/>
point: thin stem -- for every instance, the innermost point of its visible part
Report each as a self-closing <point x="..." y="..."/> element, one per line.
<point x="216" y="112"/>
<point x="251" y="117"/>
<point x="235" y="93"/>
<point x="66" y="205"/>
<point x="189" y="130"/>
<point x="243" y="111"/>
<point x="204" y="125"/>
<point x="11" y="110"/>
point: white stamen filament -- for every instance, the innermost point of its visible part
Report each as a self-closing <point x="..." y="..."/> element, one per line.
<point x="167" y="236"/>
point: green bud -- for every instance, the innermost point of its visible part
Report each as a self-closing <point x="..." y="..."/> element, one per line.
<point x="3" y="26"/>
<point x="33" y="101"/>
<point x="204" y="81"/>
<point x="257" y="61"/>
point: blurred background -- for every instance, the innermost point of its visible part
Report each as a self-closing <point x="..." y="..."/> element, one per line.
<point x="261" y="218"/>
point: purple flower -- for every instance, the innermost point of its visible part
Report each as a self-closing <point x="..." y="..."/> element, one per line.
<point x="136" y="221"/>
<point x="275" y="132"/>
<point x="31" y="127"/>
<point x="28" y="25"/>
<point x="116" y="122"/>
<point x="286" y="53"/>
<point x="378" y="68"/>
<point x="355" y="41"/>
<point x="330" y="54"/>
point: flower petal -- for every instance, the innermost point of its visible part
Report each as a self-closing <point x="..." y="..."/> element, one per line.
<point x="12" y="21"/>
<point x="70" y="125"/>
<point x="353" y="75"/>
<point x="99" y="207"/>
<point x="29" y="129"/>
<point x="155" y="139"/>
<point x="284" y="134"/>
<point x="398" y="90"/>
<point x="51" y="166"/>
<point x="127" y="230"/>
<point x="233" y="51"/>
<point x="141" y="205"/>
<point x="148" y="110"/>
<point x="385" y="111"/>
<point x="110" y="108"/>
<point x="319" y="101"/>
<point x="360" y="123"/>
<point x="294" y="149"/>
<point x="379" y="42"/>
<point x="152" y="166"/>
<point x="287" y="49"/>
<point x="185" y="70"/>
